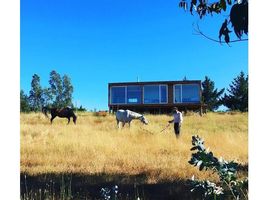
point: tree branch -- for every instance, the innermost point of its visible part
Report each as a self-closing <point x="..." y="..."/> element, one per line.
<point x="199" y="32"/>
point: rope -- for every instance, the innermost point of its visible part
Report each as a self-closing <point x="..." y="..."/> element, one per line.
<point x="165" y="128"/>
<point x="146" y="130"/>
<point x="153" y="132"/>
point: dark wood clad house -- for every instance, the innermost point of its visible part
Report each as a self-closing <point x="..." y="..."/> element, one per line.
<point x="156" y="96"/>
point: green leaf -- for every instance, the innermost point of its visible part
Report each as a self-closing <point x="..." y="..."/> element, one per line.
<point x="223" y="4"/>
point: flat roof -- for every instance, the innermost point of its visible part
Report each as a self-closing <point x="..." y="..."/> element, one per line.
<point x="156" y="82"/>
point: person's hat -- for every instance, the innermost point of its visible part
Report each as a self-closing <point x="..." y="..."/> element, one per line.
<point x="174" y="108"/>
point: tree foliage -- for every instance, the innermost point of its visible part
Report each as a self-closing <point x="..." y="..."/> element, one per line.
<point x="35" y="97"/>
<point x="55" y="82"/>
<point x="237" y="99"/>
<point x="59" y="94"/>
<point x="61" y="90"/>
<point x="211" y="96"/>
<point x="24" y="102"/>
<point x="67" y="91"/>
<point x="238" y="16"/>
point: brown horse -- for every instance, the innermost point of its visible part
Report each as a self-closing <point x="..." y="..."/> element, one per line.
<point x="62" y="113"/>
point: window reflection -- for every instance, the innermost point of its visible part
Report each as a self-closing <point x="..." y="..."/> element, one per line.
<point x="134" y="94"/>
<point x="118" y="95"/>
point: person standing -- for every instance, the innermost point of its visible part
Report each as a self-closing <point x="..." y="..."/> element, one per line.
<point x="177" y="120"/>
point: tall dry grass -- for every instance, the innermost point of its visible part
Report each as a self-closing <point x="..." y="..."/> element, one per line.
<point x="95" y="145"/>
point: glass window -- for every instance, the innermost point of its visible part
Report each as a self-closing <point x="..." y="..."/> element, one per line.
<point x="177" y="94"/>
<point x="190" y="93"/>
<point x="163" y="92"/>
<point x="151" y="94"/>
<point x="134" y="94"/>
<point x="118" y="95"/>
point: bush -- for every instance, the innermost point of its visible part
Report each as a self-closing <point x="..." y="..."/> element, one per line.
<point x="229" y="184"/>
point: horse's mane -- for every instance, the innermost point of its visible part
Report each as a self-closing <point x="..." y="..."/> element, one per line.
<point x="135" y="115"/>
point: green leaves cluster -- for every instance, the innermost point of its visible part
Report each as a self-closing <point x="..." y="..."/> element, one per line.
<point x="227" y="172"/>
<point x="238" y="16"/>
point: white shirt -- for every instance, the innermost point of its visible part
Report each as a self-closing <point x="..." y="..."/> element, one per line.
<point x="178" y="117"/>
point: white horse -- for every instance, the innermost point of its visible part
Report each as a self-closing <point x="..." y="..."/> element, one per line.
<point x="126" y="116"/>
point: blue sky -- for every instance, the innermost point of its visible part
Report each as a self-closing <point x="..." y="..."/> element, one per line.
<point x="102" y="41"/>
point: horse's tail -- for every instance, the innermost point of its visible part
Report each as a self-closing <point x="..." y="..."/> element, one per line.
<point x="45" y="111"/>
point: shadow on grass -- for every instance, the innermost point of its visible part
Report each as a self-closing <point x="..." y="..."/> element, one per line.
<point x="85" y="186"/>
<point x="81" y="186"/>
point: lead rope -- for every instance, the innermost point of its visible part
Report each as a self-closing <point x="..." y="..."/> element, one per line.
<point x="165" y="128"/>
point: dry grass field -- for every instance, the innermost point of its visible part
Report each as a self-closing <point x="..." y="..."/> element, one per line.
<point x="95" y="146"/>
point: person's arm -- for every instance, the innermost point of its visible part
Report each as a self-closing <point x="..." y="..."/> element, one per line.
<point x="171" y="121"/>
<point x="181" y="118"/>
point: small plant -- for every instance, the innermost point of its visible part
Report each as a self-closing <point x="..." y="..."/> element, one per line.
<point x="109" y="194"/>
<point x="227" y="171"/>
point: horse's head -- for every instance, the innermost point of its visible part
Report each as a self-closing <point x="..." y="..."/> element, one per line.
<point x="144" y="120"/>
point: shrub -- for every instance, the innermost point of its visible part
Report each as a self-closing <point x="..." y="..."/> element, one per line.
<point x="229" y="185"/>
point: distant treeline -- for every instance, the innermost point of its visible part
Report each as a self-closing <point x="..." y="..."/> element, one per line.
<point x="59" y="94"/>
<point x="236" y="97"/>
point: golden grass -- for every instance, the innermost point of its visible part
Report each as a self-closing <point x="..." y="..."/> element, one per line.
<point x="95" y="145"/>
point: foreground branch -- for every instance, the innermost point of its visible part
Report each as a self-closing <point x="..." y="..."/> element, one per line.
<point x="199" y="32"/>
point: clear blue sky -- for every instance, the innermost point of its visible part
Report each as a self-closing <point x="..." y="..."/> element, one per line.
<point x="102" y="41"/>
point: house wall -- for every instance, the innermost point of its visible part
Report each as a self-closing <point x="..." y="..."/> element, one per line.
<point x="156" y="108"/>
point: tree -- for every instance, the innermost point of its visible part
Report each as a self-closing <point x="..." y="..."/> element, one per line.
<point x="67" y="91"/>
<point x="24" y="102"/>
<point x="47" y="96"/>
<point x="81" y="109"/>
<point x="60" y="91"/>
<point x="238" y="15"/>
<point x="56" y="88"/>
<point x="237" y="99"/>
<point x="35" y="97"/>
<point x="211" y="96"/>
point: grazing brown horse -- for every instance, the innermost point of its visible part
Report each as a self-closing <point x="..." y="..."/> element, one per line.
<point x="62" y="113"/>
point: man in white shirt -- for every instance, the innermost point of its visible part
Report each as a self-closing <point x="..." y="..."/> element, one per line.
<point x="177" y="119"/>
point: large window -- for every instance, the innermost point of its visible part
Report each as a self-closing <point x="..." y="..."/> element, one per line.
<point x="163" y="94"/>
<point x="118" y="95"/>
<point x="154" y="94"/>
<point x="177" y="94"/>
<point x="190" y="93"/>
<point x="186" y="93"/>
<point x="134" y="94"/>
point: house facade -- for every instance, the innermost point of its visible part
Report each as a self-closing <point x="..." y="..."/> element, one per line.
<point x="156" y="96"/>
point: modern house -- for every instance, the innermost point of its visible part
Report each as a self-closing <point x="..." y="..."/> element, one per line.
<point x="156" y="96"/>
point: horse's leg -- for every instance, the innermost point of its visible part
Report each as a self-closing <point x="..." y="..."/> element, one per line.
<point x="123" y="124"/>
<point x="68" y="120"/>
<point x="52" y="117"/>
<point x="129" y="124"/>
<point x="118" y="125"/>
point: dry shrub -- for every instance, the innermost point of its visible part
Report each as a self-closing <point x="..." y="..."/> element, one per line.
<point x="101" y="113"/>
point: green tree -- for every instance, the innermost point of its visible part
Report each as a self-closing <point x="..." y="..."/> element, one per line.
<point x="24" y="102"/>
<point x="35" y="97"/>
<point x="60" y="91"/>
<point x="237" y="99"/>
<point x="67" y="91"/>
<point x="56" y="88"/>
<point x="210" y="95"/>
<point x="81" y="109"/>
<point x="238" y="15"/>
<point x="47" y="96"/>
